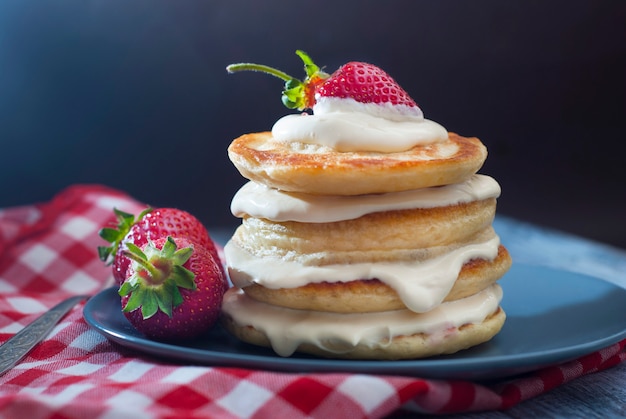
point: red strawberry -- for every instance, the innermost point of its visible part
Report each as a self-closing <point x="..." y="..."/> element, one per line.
<point x="173" y="290"/>
<point x="150" y="224"/>
<point x="363" y="82"/>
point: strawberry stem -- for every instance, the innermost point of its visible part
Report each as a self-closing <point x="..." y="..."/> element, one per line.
<point x="297" y="94"/>
<point x="159" y="273"/>
<point x="135" y="254"/>
<point x="233" y="68"/>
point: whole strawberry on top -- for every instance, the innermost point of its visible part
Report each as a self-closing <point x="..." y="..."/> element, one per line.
<point x="357" y="82"/>
<point x="152" y="223"/>
<point x="173" y="288"/>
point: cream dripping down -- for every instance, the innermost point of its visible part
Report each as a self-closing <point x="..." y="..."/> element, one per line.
<point x="435" y="276"/>
<point x="287" y="329"/>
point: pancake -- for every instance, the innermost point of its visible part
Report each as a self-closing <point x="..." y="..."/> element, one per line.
<point x="382" y="236"/>
<point x="372" y="295"/>
<point x="314" y="169"/>
<point x="398" y="334"/>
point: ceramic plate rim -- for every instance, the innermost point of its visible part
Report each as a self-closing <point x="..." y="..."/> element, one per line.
<point x="447" y="368"/>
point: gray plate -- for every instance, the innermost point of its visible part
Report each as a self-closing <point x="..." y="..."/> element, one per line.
<point x="553" y="316"/>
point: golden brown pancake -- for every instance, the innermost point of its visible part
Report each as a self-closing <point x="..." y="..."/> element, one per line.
<point x="382" y="236"/>
<point x="314" y="169"/>
<point x="365" y="296"/>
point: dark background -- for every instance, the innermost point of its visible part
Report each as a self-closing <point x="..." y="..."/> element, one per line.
<point x="133" y="94"/>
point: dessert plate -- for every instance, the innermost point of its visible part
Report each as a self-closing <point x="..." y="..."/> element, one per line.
<point x="553" y="316"/>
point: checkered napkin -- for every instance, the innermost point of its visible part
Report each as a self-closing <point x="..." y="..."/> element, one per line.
<point x="48" y="252"/>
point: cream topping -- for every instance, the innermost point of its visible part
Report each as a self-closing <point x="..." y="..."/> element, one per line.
<point x="346" y="125"/>
<point x="260" y="201"/>
<point x="386" y="110"/>
<point x="287" y="329"/>
<point x="421" y="284"/>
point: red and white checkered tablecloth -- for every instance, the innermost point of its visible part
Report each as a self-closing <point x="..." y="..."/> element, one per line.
<point x="48" y="252"/>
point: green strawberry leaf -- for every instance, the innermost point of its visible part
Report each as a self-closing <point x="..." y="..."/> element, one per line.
<point x="150" y="305"/>
<point x="136" y="252"/>
<point x="135" y="300"/>
<point x="310" y="67"/>
<point x="164" y="299"/>
<point x="183" y="277"/>
<point x="110" y="234"/>
<point x="125" y="289"/>
<point x="125" y="221"/>
<point x="177" y="297"/>
<point x="181" y="256"/>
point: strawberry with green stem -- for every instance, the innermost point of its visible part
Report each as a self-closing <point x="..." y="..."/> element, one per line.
<point x="152" y="223"/>
<point x="173" y="289"/>
<point x="355" y="81"/>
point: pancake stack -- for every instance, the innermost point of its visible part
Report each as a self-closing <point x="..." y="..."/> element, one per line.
<point x="364" y="254"/>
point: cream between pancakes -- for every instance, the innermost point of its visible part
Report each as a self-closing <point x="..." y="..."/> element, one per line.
<point x="260" y="201"/>
<point x="421" y="284"/>
<point x="287" y="329"/>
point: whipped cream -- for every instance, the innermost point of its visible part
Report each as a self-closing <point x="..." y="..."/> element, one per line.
<point x="420" y="284"/>
<point x="347" y="125"/>
<point x="326" y="105"/>
<point x="287" y="329"/>
<point x="259" y="201"/>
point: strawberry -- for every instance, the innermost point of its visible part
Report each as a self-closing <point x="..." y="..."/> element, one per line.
<point x="361" y="82"/>
<point x="173" y="289"/>
<point x="149" y="224"/>
<point x="364" y="83"/>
